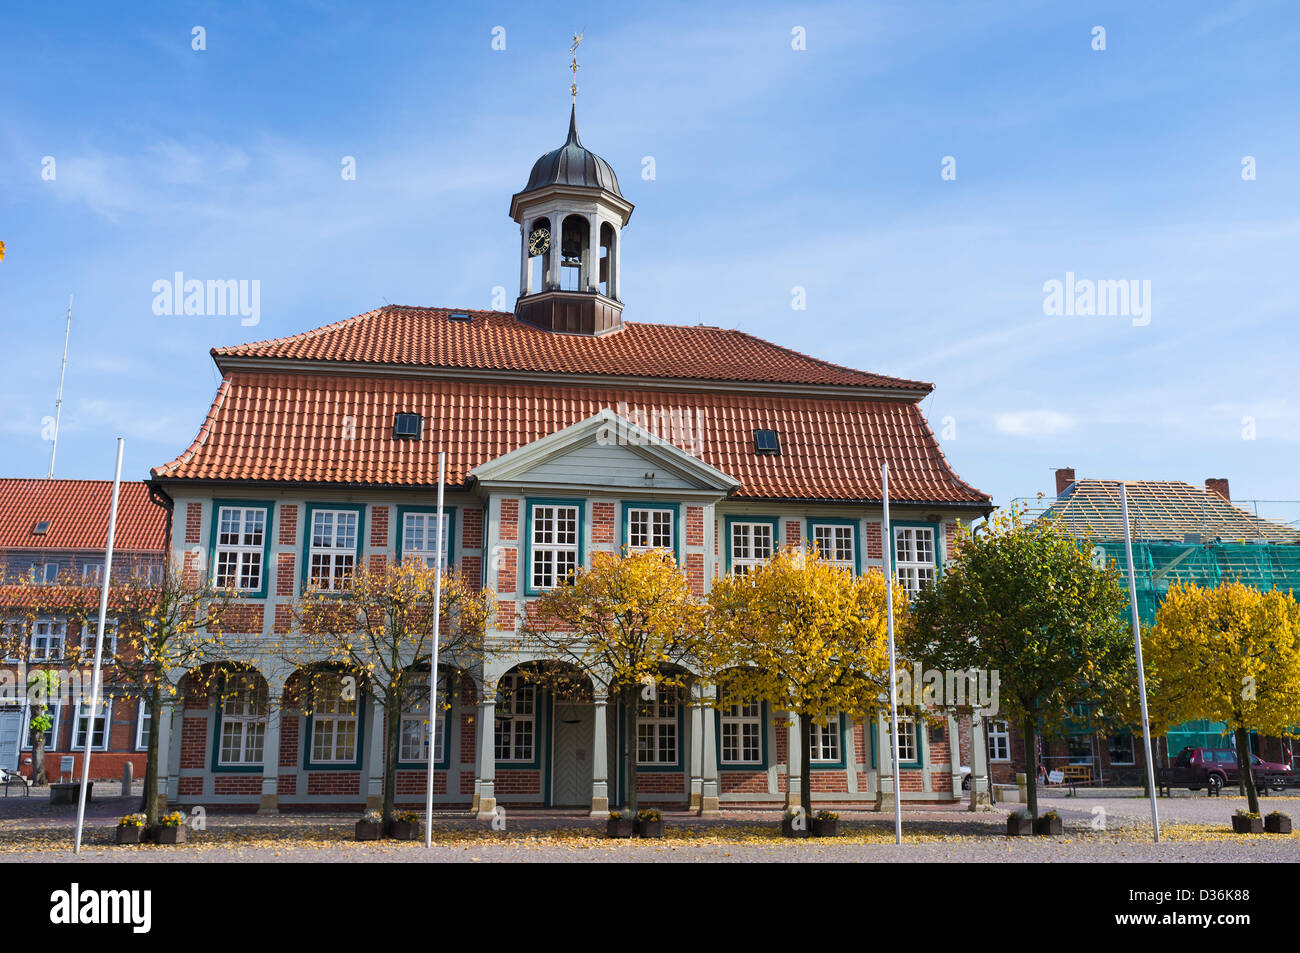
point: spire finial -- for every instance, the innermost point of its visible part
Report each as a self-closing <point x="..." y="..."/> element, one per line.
<point x="573" y="51"/>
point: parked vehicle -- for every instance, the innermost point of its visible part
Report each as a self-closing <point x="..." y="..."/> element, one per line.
<point x="1212" y="768"/>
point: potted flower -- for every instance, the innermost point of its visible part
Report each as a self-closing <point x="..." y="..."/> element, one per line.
<point x="406" y="826"/>
<point x="1050" y="823"/>
<point x="620" y="825"/>
<point x="1245" y="822"/>
<point x="170" y="829"/>
<point x="370" y="826"/>
<point x="794" y="823"/>
<point x="1277" y="823"/>
<point x="1020" y="823"/>
<point x="130" y="829"/>
<point x="826" y="824"/>
<point x="649" y="823"/>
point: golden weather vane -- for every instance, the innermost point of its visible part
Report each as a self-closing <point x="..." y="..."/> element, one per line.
<point x="573" y="51"/>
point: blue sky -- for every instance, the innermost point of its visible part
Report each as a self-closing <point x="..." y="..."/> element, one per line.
<point x="774" y="168"/>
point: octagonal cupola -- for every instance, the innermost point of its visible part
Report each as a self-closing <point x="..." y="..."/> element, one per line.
<point x="571" y="216"/>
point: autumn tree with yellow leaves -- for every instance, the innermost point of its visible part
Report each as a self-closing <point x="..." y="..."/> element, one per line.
<point x="1229" y="654"/>
<point x="379" y="628"/>
<point x="807" y="637"/>
<point x="631" y="623"/>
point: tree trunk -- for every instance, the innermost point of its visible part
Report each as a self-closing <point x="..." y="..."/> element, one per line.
<point x="629" y="748"/>
<point x="988" y="756"/>
<point x="1031" y="767"/>
<point x="1244" y="772"/>
<point x="392" y="732"/>
<point x="974" y="799"/>
<point x="38" y="755"/>
<point x="805" y="768"/>
<point x="150" y="794"/>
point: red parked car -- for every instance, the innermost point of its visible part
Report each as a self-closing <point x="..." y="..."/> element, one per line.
<point x="1215" y="767"/>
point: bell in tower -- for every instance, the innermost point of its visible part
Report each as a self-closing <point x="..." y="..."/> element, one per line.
<point x="571" y="217"/>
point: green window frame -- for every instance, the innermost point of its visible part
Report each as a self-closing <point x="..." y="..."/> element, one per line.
<point x="815" y="521"/>
<point x="894" y="528"/>
<point x="309" y="521"/>
<point x="448" y="511"/>
<point x="762" y="763"/>
<point x="440" y="725"/>
<point x="268" y="506"/>
<point x="840" y="725"/>
<point x="580" y="527"/>
<point x="883" y="725"/>
<point x="625" y="524"/>
<point x="309" y="764"/>
<point x="218" y="721"/>
<point x="731" y="521"/>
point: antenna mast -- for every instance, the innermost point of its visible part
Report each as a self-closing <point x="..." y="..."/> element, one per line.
<point x="58" y="400"/>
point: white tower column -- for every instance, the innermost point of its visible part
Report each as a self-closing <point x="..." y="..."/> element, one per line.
<point x="557" y="231"/>
<point x="525" y="262"/>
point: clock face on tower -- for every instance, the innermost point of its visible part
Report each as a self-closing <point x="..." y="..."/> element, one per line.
<point x="539" y="241"/>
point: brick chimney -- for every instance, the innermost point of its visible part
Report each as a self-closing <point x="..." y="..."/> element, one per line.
<point x="1064" y="477"/>
<point x="1218" y="486"/>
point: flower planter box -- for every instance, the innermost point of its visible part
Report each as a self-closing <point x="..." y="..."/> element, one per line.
<point x="1278" y="824"/>
<point x="826" y="827"/>
<point x="620" y="827"/>
<point x="406" y="830"/>
<point x="1050" y="826"/>
<point x="788" y="828"/>
<point x="1247" y="825"/>
<point x="129" y="834"/>
<point x="369" y="830"/>
<point x="163" y="834"/>
<point x="1020" y="826"/>
<point x="650" y="828"/>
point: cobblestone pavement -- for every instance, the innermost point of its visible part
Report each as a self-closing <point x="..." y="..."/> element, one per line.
<point x="1196" y="830"/>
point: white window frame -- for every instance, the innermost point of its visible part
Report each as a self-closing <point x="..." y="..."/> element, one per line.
<point x="56" y="633"/>
<point x="337" y="717"/>
<point x="908" y="752"/>
<point x="413" y="733"/>
<point x="142" y="716"/>
<point x="90" y="631"/>
<point x="11" y="630"/>
<point x="1132" y="750"/>
<point x="92" y="573"/>
<point x="911" y="567"/>
<point x="234" y="549"/>
<point x="741" y="726"/>
<point x="650" y="535"/>
<point x="745" y="538"/>
<point x="657" y="729"/>
<point x="421" y="544"/>
<point x="517" y="698"/>
<point x="106" y="704"/>
<point x="334" y="554"/>
<point x="999" y="741"/>
<point x="25" y="740"/>
<point x="244" y="705"/>
<point x="827" y="740"/>
<point x="555" y="559"/>
<point x="50" y="573"/>
<point x="827" y="537"/>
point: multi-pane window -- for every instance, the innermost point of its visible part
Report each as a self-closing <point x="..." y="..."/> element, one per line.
<point x="241" y="537"/>
<point x="420" y="538"/>
<point x="914" y="557"/>
<point x="334" y="721"/>
<point x="751" y="545"/>
<point x="835" y="543"/>
<point x="332" y="550"/>
<point x="414" y="740"/>
<point x="50" y="733"/>
<point x="90" y="631"/>
<point x="92" y="573"/>
<point x="999" y="741"/>
<point x="907" y="752"/>
<point x="656" y="729"/>
<point x="143" y="725"/>
<point x="742" y="731"/>
<point x="50" y="574"/>
<point x="554" y="544"/>
<point x="47" y="640"/>
<point x="827" y="737"/>
<point x="649" y="529"/>
<point x="243" y="719"/>
<point x="99" y="731"/>
<point x="12" y="634"/>
<point x="516" y="719"/>
<point x="1121" y="748"/>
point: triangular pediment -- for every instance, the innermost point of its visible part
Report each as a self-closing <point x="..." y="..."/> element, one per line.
<point x="605" y="451"/>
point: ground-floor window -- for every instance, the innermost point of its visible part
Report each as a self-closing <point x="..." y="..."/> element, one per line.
<point x="1121" y="748"/>
<point x="908" y="752"/>
<point x="243" y="720"/>
<point x="99" y="731"/>
<point x="53" y="732"/>
<point x="414" y="743"/>
<point x="656" y="729"/>
<point x="143" y="725"/>
<point x="742" y="732"/>
<point x="999" y="741"/>
<point x="826" y="739"/>
<point x="516" y="719"/>
<point x="334" y="722"/>
<point x="1080" y="749"/>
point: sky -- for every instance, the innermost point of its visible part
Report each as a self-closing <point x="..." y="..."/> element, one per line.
<point x="915" y="174"/>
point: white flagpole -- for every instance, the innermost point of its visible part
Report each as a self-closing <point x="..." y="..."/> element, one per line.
<point x="99" y="656"/>
<point x="433" y="661"/>
<point x="58" y="398"/>
<point x="1142" y="675"/>
<point x="886" y="542"/>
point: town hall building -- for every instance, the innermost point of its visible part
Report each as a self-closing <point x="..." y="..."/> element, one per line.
<point x="568" y="431"/>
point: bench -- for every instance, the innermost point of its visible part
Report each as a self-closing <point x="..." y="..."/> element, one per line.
<point x="8" y="777"/>
<point x="1078" y="773"/>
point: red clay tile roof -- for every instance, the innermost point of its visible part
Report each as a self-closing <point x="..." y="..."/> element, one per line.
<point x="492" y="340"/>
<point x="77" y="511"/>
<point x="293" y="427"/>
